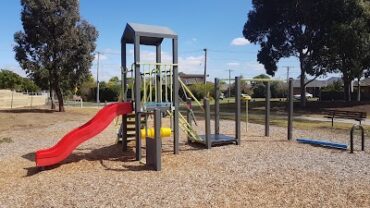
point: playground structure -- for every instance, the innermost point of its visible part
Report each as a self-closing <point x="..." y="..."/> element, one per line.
<point x="150" y="77"/>
<point x="155" y="86"/>
<point x="151" y="91"/>
<point x="209" y="139"/>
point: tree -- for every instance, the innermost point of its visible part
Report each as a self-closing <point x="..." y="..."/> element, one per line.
<point x="336" y="86"/>
<point x="11" y="80"/>
<point x="201" y="91"/>
<point x="29" y="86"/>
<point x="291" y="28"/>
<point x="85" y="90"/>
<point x="56" y="44"/>
<point x="349" y="49"/>
<point x="259" y="88"/>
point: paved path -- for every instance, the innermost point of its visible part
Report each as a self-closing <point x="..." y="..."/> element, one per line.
<point x="337" y="120"/>
<point x="309" y="118"/>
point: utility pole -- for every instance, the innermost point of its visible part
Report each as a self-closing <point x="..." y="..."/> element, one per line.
<point x="230" y="70"/>
<point x="97" y="81"/>
<point x="288" y="72"/>
<point x="205" y="65"/>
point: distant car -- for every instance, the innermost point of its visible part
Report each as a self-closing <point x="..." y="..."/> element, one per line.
<point x="245" y="97"/>
<point x="308" y="96"/>
<point x="222" y="96"/>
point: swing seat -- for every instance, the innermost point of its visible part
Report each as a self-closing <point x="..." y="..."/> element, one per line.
<point x="322" y="143"/>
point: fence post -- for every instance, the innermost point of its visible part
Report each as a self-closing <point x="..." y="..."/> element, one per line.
<point x="31" y="101"/>
<point x="11" y="101"/>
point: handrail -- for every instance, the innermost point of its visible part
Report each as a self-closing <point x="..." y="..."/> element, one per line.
<point x="354" y="127"/>
<point x="191" y="94"/>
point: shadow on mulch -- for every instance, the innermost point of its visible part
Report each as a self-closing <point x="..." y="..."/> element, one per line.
<point x="107" y="153"/>
<point x="265" y="140"/>
<point x="29" y="156"/>
<point x="28" y="111"/>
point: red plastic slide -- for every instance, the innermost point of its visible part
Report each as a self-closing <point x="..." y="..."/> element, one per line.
<point x="70" y="141"/>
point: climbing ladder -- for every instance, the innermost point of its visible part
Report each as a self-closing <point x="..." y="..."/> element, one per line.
<point x="130" y="127"/>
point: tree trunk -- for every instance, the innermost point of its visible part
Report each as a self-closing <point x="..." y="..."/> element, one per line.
<point x="51" y="93"/>
<point x="358" y="90"/>
<point x="347" y="87"/>
<point x="58" y="91"/>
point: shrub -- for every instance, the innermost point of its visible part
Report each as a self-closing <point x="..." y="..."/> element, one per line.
<point x="200" y="90"/>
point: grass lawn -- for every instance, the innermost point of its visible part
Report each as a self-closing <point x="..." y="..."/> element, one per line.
<point x="278" y="116"/>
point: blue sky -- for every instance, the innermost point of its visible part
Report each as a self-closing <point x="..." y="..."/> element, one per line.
<point x="213" y="24"/>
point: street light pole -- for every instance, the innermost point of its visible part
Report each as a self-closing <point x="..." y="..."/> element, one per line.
<point x="205" y="65"/>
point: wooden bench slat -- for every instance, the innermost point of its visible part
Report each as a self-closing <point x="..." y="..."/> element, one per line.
<point x="358" y="116"/>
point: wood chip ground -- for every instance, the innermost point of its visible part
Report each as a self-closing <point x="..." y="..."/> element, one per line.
<point x="261" y="172"/>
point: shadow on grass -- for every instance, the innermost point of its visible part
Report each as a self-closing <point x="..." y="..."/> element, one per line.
<point x="23" y="110"/>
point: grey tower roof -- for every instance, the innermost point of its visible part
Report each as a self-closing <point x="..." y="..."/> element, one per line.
<point x="149" y="34"/>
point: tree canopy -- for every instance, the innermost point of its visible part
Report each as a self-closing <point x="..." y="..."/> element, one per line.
<point x="11" y="80"/>
<point x="305" y="29"/>
<point x="55" y="44"/>
<point x="349" y="46"/>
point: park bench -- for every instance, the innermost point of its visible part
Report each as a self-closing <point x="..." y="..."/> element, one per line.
<point x="355" y="115"/>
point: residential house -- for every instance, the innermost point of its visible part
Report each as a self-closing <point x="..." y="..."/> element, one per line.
<point x="315" y="86"/>
<point x="190" y="79"/>
<point x="364" y="88"/>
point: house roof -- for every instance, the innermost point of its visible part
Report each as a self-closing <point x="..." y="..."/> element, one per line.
<point x="363" y="83"/>
<point x="183" y="75"/>
<point x="317" y="83"/>
<point x="149" y="34"/>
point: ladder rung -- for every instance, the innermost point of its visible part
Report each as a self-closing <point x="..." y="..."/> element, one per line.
<point x="133" y="122"/>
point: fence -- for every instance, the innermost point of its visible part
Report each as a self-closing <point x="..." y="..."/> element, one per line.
<point x="334" y="96"/>
<point x="11" y="99"/>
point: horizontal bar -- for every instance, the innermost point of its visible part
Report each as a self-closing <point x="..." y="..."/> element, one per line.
<point x="156" y="64"/>
<point x="263" y="80"/>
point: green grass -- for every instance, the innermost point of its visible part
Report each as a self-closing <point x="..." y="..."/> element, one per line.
<point x="281" y="121"/>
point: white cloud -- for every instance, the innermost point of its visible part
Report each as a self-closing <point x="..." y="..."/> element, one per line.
<point x="112" y="51"/>
<point x="194" y="40"/>
<point x="240" y="41"/>
<point x="191" y="64"/>
<point x="233" y="64"/>
<point x="254" y="66"/>
<point x="102" y="57"/>
<point x="187" y="64"/>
